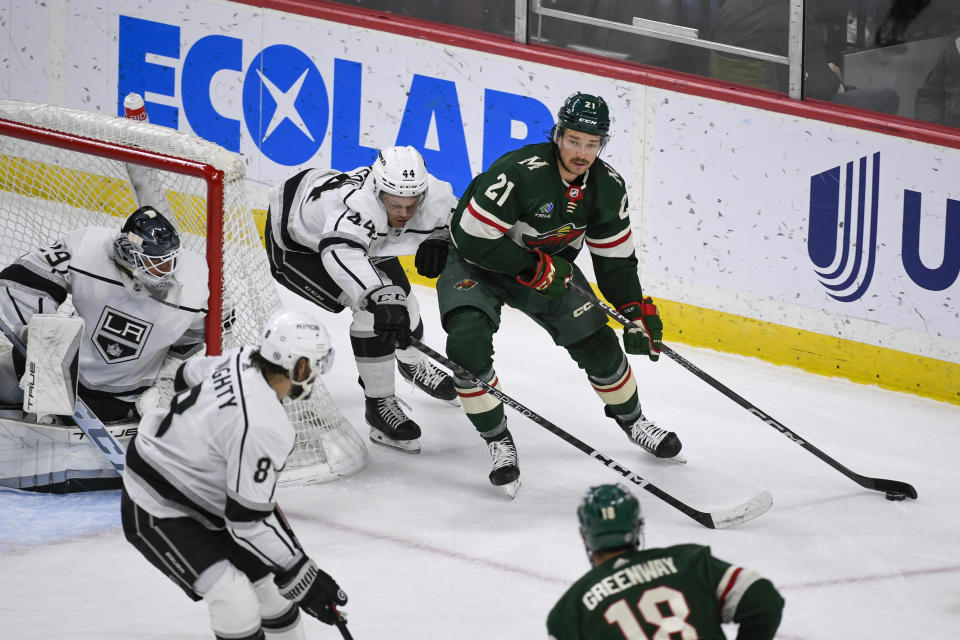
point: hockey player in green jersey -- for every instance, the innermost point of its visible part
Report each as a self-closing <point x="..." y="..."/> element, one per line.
<point x="515" y="233"/>
<point x="678" y="592"/>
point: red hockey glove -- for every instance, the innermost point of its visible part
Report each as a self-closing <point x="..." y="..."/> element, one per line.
<point x="550" y="276"/>
<point x="649" y="340"/>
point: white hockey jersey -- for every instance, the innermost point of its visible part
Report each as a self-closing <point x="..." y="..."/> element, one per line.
<point x="215" y="455"/>
<point x="126" y="331"/>
<point x="339" y="216"/>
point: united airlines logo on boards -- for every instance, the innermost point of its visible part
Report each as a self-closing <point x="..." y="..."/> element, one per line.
<point x="119" y="337"/>
<point x="844" y="220"/>
<point x="287" y="104"/>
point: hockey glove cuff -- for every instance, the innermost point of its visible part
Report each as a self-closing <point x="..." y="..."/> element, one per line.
<point x="647" y="340"/>
<point x="431" y="257"/>
<point x="550" y="276"/>
<point x="312" y="590"/>
<point x="391" y="320"/>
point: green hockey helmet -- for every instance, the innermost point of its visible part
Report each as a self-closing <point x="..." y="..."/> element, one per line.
<point x="609" y="518"/>
<point x="586" y="113"/>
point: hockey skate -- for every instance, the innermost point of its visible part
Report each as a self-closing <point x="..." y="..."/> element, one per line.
<point x="659" y="442"/>
<point x="428" y="378"/>
<point x="506" y="470"/>
<point x="390" y="426"/>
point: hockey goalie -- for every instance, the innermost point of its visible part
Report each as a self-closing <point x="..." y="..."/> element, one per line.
<point x="139" y="305"/>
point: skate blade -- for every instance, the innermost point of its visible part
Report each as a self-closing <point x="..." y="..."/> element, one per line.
<point x="679" y="459"/>
<point x="453" y="403"/>
<point x="406" y="446"/>
<point x="511" y="488"/>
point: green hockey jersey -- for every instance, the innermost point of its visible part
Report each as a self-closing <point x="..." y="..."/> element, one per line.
<point x="676" y="592"/>
<point x="520" y="204"/>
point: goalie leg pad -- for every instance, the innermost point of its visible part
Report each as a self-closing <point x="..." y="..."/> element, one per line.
<point x="233" y="604"/>
<point x="50" y="380"/>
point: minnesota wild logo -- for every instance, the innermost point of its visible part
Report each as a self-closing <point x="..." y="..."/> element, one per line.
<point x="557" y="238"/>
<point x="465" y="284"/>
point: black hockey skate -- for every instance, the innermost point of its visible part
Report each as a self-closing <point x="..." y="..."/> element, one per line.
<point x="390" y="426"/>
<point x="505" y="472"/>
<point x="430" y="379"/>
<point x="657" y="441"/>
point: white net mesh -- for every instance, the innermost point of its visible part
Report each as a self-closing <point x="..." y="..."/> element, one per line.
<point x="47" y="190"/>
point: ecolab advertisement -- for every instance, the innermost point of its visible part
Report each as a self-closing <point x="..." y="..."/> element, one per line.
<point x="759" y="214"/>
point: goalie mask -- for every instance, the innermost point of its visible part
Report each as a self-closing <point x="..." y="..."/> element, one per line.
<point x="148" y="247"/>
<point x="400" y="171"/>
<point x="290" y="336"/>
<point x="610" y="518"/>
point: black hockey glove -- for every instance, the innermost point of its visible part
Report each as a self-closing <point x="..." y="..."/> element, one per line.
<point x="391" y="320"/>
<point x="312" y="590"/>
<point x="431" y="257"/>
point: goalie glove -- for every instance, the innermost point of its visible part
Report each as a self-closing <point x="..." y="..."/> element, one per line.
<point x="391" y="320"/>
<point x="647" y="341"/>
<point x="550" y="276"/>
<point x="161" y="393"/>
<point x="312" y="590"/>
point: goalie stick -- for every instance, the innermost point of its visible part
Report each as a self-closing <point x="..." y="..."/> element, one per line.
<point x="894" y="489"/>
<point x="88" y="422"/>
<point x="752" y="508"/>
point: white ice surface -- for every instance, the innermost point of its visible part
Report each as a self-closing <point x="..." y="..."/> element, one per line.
<point x="427" y="548"/>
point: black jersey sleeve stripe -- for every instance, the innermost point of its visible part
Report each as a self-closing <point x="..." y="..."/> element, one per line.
<point x="95" y="276"/>
<point x="162" y="486"/>
<point x="21" y="275"/>
<point x="237" y="512"/>
<point x="335" y="240"/>
<point x="347" y="271"/>
<point x="246" y="417"/>
<point x="289" y="192"/>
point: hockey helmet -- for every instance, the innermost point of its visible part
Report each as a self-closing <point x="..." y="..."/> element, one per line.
<point x="149" y="247"/>
<point x="400" y="171"/>
<point x="291" y="335"/>
<point x="586" y="113"/>
<point x="610" y="518"/>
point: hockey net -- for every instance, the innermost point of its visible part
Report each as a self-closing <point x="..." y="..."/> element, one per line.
<point x="62" y="169"/>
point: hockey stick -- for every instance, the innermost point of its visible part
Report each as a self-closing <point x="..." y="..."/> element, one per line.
<point x="894" y="489"/>
<point x="88" y="422"/>
<point x="722" y="519"/>
<point x="339" y="620"/>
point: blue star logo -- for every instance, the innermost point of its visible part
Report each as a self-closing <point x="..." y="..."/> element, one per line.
<point x="285" y="105"/>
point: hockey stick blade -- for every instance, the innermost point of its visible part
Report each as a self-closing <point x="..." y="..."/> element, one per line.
<point x="88" y="422"/>
<point x="890" y="487"/>
<point x="745" y="512"/>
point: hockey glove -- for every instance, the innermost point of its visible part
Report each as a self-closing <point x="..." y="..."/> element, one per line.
<point x="431" y="257"/>
<point x="550" y="277"/>
<point x="312" y="590"/>
<point x="391" y="320"/>
<point x="649" y="340"/>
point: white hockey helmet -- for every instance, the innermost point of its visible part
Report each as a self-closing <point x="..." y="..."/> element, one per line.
<point x="291" y="335"/>
<point x="400" y="171"/>
<point x="148" y="246"/>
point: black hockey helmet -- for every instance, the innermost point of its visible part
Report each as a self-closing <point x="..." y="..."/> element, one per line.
<point x="586" y="113"/>
<point x="610" y="518"/>
<point x="148" y="246"/>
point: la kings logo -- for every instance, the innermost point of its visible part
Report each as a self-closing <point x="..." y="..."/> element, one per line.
<point x="120" y="337"/>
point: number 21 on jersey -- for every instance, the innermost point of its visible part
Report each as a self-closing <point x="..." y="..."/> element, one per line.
<point x="492" y="190"/>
